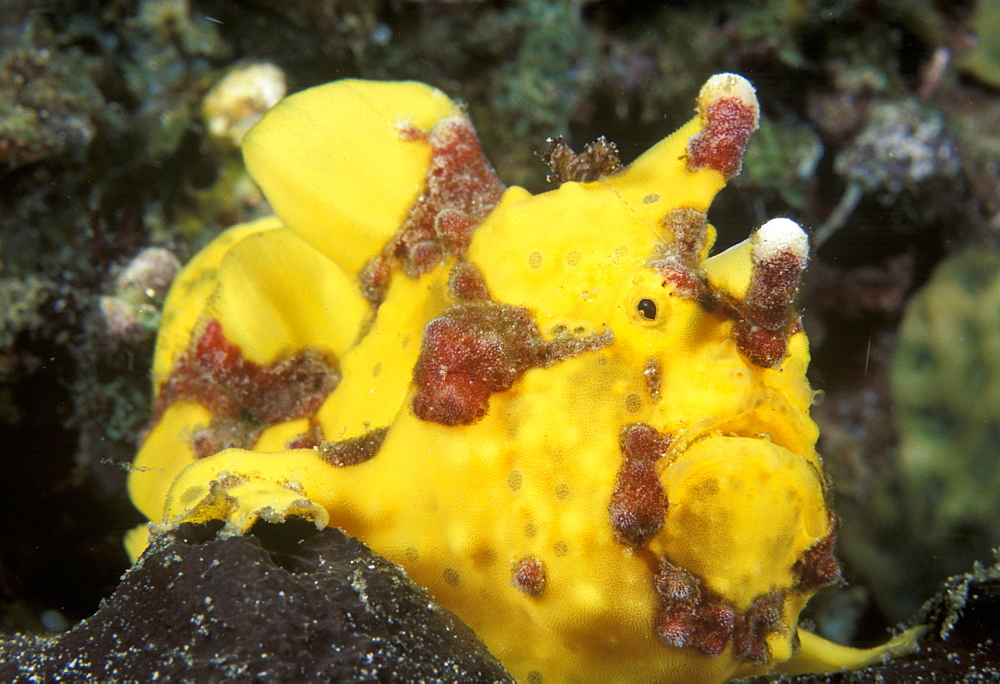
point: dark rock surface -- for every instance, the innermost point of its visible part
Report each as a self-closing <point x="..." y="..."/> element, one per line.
<point x="286" y="603"/>
<point x="962" y="645"/>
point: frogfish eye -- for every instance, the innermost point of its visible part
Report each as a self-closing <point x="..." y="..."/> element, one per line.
<point x="647" y="307"/>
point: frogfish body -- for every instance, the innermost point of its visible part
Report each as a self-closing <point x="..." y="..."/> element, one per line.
<point x="581" y="433"/>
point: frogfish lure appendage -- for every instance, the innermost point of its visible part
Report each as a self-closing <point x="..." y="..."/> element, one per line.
<point x="583" y="434"/>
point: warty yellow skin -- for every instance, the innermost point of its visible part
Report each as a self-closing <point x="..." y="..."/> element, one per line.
<point x="460" y="506"/>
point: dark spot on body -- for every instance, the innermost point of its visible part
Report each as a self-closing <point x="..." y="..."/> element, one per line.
<point x="774" y="284"/>
<point x="690" y="614"/>
<point x="514" y="480"/>
<point x="639" y="441"/>
<point x="633" y="403"/>
<point x="225" y="432"/>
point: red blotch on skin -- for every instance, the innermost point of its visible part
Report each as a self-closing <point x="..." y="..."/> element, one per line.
<point x="409" y="133"/>
<point x="469" y="352"/>
<point x="762" y="347"/>
<point x="241" y="394"/>
<point x="459" y="191"/>
<point x="638" y="502"/>
<point x="686" y="282"/>
<point x="720" y="145"/>
<point x="529" y="576"/>
<point x="293" y="387"/>
<point x="641" y="442"/>
<point x="454" y="230"/>
<point x="818" y="568"/>
<point x="465" y="283"/>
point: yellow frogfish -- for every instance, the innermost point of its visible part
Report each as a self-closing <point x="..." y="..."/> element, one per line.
<point x="586" y="437"/>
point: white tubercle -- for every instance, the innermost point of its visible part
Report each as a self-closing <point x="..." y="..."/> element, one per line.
<point x="726" y="85"/>
<point x="779" y="236"/>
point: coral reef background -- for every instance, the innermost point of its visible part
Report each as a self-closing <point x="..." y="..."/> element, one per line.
<point x="119" y="134"/>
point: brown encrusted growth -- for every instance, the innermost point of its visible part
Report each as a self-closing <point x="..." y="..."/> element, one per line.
<point x="764" y="617"/>
<point x="349" y="452"/>
<point x="818" y="568"/>
<point x="374" y="279"/>
<point x="529" y="576"/>
<point x="566" y="344"/>
<point x="225" y="432"/>
<point x="638" y="502"/>
<point x="691" y="615"/>
<point x="242" y="395"/>
<point x="460" y="190"/>
<point x="476" y="348"/>
<point x="729" y="114"/>
<point x="465" y="283"/>
<point x="678" y="257"/>
<point x="654" y="376"/>
<point x="689" y="230"/>
<point x="599" y="158"/>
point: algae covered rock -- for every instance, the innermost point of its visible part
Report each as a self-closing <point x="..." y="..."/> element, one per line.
<point x="946" y="385"/>
<point x="936" y="511"/>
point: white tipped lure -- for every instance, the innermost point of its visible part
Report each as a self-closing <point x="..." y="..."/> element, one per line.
<point x="779" y="236"/>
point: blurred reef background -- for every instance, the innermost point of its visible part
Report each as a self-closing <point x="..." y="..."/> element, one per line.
<point x="120" y="123"/>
